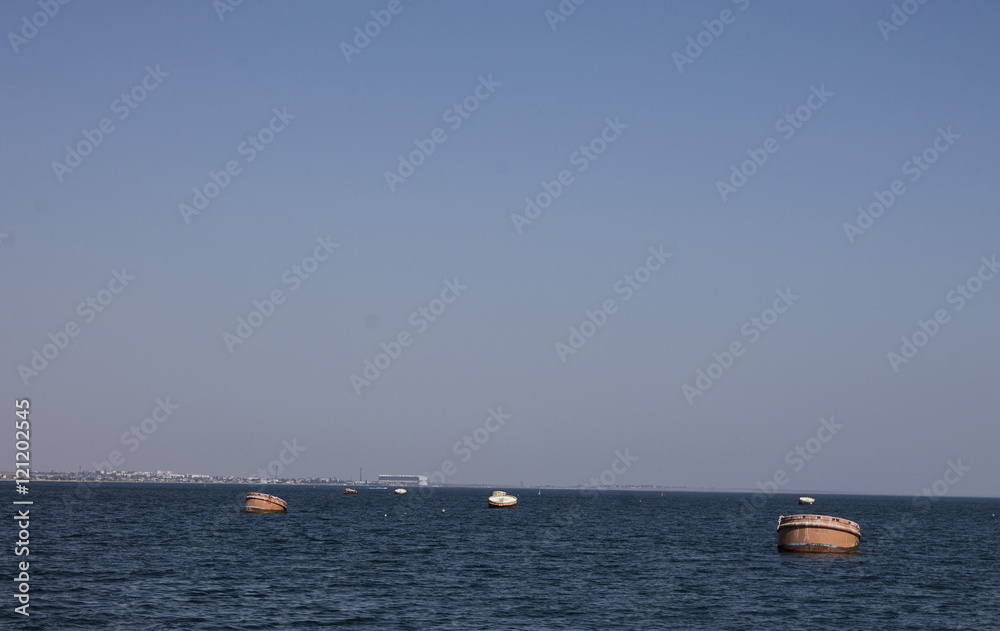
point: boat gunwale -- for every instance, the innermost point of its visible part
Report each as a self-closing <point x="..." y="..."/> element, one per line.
<point x="788" y="522"/>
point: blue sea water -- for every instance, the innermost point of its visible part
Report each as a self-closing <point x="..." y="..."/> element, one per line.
<point x="142" y="556"/>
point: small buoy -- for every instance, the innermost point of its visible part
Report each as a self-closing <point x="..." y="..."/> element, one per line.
<point x="442" y="510"/>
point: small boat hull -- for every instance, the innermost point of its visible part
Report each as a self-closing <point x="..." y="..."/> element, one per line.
<point x="806" y="501"/>
<point x="500" y="499"/>
<point x="400" y="491"/>
<point x="350" y="491"/>
<point x="818" y="533"/>
<point x="264" y="503"/>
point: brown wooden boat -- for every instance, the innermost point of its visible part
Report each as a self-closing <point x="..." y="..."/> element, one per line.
<point x="264" y="503"/>
<point x="817" y="533"/>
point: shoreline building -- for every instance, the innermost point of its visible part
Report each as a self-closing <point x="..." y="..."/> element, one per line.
<point x="403" y="480"/>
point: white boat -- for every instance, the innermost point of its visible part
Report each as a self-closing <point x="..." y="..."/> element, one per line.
<point x="500" y="499"/>
<point x="400" y="491"/>
<point x="807" y="501"/>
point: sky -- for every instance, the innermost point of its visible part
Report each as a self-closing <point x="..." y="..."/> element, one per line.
<point x="707" y="245"/>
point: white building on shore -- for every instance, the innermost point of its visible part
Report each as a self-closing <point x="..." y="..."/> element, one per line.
<point x="403" y="480"/>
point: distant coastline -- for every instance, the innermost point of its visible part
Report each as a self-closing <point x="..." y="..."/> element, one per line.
<point x="92" y="477"/>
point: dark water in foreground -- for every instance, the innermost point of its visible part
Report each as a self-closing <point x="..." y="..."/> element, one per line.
<point x="184" y="557"/>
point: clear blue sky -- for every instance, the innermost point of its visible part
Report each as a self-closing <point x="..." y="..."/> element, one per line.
<point x="215" y="82"/>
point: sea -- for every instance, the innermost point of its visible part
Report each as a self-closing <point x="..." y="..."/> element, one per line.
<point x="175" y="556"/>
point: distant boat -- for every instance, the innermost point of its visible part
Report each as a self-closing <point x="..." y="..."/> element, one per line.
<point x="350" y="491"/>
<point x="264" y="503"/>
<point x="500" y="499"/>
<point x="817" y="533"/>
<point x="807" y="501"/>
<point x="400" y="491"/>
